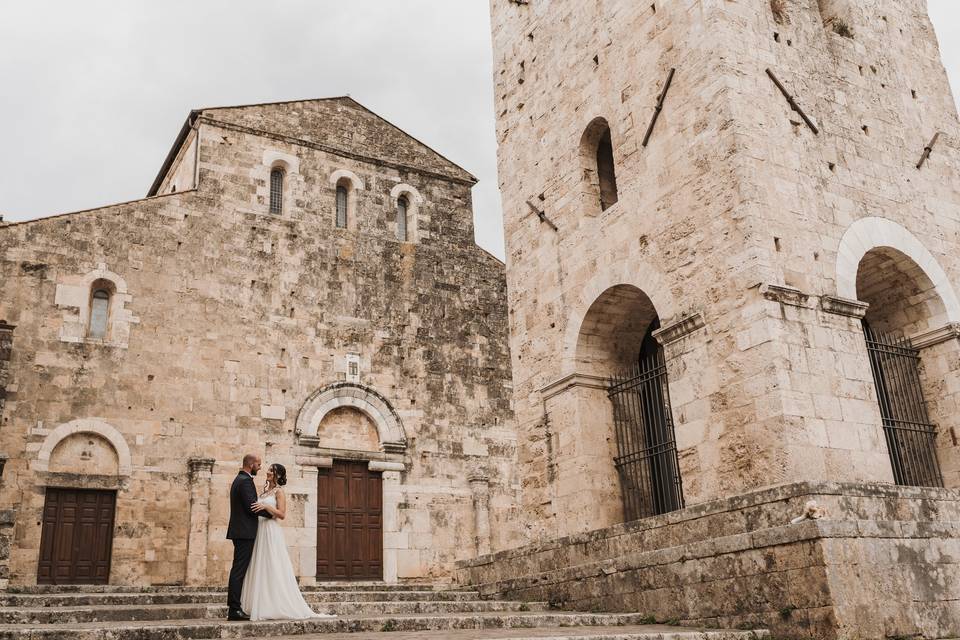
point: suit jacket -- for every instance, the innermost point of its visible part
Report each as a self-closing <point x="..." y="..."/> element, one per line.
<point x="243" y="520"/>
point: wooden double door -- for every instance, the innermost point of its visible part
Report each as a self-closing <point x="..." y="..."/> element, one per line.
<point x="76" y="538"/>
<point x="349" y="522"/>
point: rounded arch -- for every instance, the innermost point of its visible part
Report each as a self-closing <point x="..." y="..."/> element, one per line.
<point x="622" y="273"/>
<point x="870" y="234"/>
<point x="340" y="176"/>
<point x="409" y="230"/>
<point x="406" y="190"/>
<point x="393" y="437"/>
<point x="598" y="167"/>
<point x="86" y="425"/>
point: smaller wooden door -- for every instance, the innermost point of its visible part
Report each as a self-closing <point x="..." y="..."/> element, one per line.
<point x="76" y="538"/>
<point x="349" y="523"/>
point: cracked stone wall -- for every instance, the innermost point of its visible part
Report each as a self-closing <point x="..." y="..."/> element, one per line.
<point x="240" y="317"/>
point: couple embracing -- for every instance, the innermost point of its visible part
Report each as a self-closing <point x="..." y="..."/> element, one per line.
<point x="262" y="583"/>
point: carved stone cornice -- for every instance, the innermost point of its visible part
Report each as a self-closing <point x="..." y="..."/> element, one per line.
<point x="785" y="295"/>
<point x="949" y="331"/>
<point x="679" y="329"/>
<point x="844" y="306"/>
<point x="571" y="381"/>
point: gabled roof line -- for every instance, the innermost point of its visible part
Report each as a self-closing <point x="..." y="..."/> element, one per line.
<point x="194" y="114"/>
<point x="112" y="205"/>
<point x="333" y="150"/>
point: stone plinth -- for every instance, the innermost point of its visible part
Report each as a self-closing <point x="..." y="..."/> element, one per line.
<point x="883" y="562"/>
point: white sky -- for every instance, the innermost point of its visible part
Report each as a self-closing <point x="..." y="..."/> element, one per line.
<point x="94" y="92"/>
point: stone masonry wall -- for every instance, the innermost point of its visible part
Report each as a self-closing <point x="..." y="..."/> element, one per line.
<point x="734" y="208"/>
<point x="235" y="318"/>
<point x="881" y="563"/>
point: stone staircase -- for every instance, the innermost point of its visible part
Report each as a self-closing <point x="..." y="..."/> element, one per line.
<point x="363" y="610"/>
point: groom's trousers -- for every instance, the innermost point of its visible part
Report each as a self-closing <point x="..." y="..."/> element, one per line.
<point x="242" y="552"/>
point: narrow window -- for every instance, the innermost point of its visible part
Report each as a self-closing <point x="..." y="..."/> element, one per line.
<point x="606" y="172"/>
<point x="99" y="309"/>
<point x="276" y="191"/>
<point x="402" y="207"/>
<point x="341" y="206"/>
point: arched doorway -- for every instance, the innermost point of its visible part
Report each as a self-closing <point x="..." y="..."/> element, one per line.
<point x="903" y="303"/>
<point x="617" y="342"/>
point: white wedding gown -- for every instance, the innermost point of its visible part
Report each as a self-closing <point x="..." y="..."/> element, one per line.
<point x="270" y="590"/>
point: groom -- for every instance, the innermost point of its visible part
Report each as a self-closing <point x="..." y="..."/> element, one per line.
<point x="243" y="531"/>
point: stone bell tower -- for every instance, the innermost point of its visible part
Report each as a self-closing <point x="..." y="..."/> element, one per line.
<point x="748" y="185"/>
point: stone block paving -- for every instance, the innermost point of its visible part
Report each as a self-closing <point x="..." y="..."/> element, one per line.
<point x="374" y="611"/>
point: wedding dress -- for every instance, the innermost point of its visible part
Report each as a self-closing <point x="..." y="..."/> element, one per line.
<point x="270" y="590"/>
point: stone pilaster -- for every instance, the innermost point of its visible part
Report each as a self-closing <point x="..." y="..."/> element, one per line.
<point x="7" y="516"/>
<point x="393" y="539"/>
<point x="480" y="488"/>
<point x="6" y="352"/>
<point x="201" y="470"/>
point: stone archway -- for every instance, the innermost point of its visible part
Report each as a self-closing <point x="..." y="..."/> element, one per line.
<point x="912" y="338"/>
<point x="393" y="437"/>
<point x="97" y="428"/>
<point x="354" y="424"/>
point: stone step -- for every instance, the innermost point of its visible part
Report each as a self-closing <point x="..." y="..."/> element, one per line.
<point x="38" y="600"/>
<point x="630" y="632"/>
<point x="205" y="629"/>
<point x="322" y="587"/>
<point x="117" y="613"/>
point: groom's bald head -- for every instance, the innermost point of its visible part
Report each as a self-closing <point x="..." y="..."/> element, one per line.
<point x="251" y="463"/>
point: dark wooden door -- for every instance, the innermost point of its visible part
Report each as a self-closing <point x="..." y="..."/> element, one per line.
<point x="77" y="537"/>
<point x="349" y="523"/>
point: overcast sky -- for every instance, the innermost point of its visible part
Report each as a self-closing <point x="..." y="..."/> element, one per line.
<point x="94" y="92"/>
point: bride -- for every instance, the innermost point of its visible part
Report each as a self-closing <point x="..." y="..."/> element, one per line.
<point x="270" y="590"/>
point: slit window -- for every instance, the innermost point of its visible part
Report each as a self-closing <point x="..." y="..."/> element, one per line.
<point x="341" y="207"/>
<point x="99" y="313"/>
<point x="276" y="191"/>
<point x="606" y="172"/>
<point x="403" y="206"/>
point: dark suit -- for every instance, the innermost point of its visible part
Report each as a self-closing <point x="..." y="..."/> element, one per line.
<point x="243" y="531"/>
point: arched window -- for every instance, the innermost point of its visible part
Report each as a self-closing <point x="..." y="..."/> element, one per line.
<point x="99" y="314"/>
<point x="342" y="199"/>
<point x="599" y="167"/>
<point x="403" y="206"/>
<point x="276" y="191"/>
<point x="606" y="172"/>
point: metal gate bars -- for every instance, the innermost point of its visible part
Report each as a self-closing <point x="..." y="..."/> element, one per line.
<point x="646" y="444"/>
<point x="911" y="438"/>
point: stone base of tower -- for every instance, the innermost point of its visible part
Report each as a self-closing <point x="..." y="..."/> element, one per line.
<point x="883" y="561"/>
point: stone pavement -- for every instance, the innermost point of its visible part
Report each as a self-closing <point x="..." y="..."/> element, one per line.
<point x="363" y="611"/>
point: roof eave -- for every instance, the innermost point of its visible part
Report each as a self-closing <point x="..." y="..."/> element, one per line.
<point x="174" y="151"/>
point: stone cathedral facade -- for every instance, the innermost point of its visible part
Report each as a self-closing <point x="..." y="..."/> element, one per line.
<point x="733" y="254"/>
<point x="717" y="382"/>
<point x="302" y="282"/>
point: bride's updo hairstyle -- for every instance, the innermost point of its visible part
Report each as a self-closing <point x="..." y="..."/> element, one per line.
<point x="279" y="474"/>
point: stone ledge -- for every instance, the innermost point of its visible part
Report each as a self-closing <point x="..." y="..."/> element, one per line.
<point x="844" y="307"/>
<point x="679" y="329"/>
<point x="782" y="493"/>
<point x="785" y="295"/>
<point x="950" y="331"/>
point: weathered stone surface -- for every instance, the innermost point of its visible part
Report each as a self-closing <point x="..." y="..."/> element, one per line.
<point x="225" y="319"/>
<point x="739" y="561"/>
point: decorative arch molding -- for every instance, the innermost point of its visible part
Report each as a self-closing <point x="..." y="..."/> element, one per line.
<point x="356" y="184"/>
<point x="290" y="164"/>
<point x="86" y="425"/>
<point x="407" y="190"/>
<point x="640" y="275"/>
<point x="871" y="233"/>
<point x="393" y="437"/>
